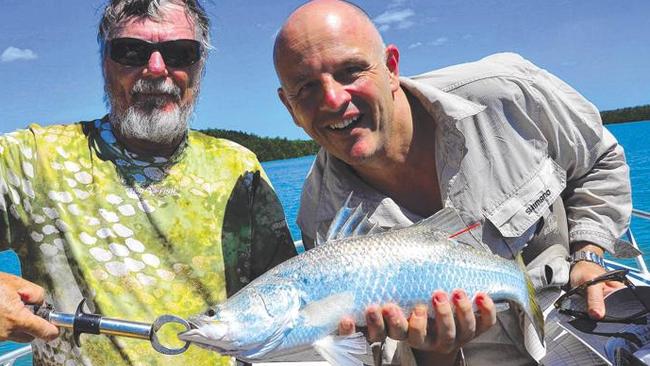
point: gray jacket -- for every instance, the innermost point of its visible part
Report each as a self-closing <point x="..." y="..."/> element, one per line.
<point x="510" y="140"/>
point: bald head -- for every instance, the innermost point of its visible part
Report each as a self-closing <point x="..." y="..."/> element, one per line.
<point x="319" y="21"/>
<point x="338" y="81"/>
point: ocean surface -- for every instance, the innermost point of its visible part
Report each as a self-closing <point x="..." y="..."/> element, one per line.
<point x="287" y="177"/>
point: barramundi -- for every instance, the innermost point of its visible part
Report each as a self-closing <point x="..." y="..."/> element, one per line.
<point x="299" y="303"/>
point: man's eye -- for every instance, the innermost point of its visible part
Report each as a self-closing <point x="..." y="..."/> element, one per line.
<point x="306" y="88"/>
<point x="349" y="74"/>
<point x="353" y="70"/>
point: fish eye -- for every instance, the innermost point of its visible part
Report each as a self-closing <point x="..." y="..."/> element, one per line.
<point x="210" y="312"/>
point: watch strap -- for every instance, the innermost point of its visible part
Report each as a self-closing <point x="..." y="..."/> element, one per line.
<point x="583" y="255"/>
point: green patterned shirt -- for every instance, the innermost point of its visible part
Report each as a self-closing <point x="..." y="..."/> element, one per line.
<point x="137" y="236"/>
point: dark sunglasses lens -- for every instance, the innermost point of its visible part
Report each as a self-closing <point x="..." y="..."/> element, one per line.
<point x="130" y="51"/>
<point x="181" y="53"/>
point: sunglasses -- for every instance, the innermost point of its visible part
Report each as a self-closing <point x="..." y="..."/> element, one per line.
<point x="136" y="52"/>
<point x="563" y="303"/>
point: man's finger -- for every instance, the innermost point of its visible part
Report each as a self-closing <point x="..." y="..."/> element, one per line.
<point x="36" y="326"/>
<point x="445" y="326"/>
<point x="346" y="326"/>
<point x="465" y="318"/>
<point x="611" y="286"/>
<point x="395" y="321"/>
<point x="487" y="312"/>
<point x="31" y="294"/>
<point x="376" y="327"/>
<point x="20" y="337"/>
<point x="417" y="330"/>
<point x="595" y="302"/>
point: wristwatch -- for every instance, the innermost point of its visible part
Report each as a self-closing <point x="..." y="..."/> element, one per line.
<point x="583" y="255"/>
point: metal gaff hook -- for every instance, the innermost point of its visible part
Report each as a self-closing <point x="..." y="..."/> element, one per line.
<point x="81" y="322"/>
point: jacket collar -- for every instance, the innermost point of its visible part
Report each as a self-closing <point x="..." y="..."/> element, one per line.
<point x="441" y="105"/>
<point x="338" y="179"/>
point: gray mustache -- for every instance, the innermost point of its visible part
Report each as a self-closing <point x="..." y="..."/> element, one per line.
<point x="159" y="86"/>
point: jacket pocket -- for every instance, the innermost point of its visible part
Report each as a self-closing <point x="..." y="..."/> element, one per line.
<point x="524" y="206"/>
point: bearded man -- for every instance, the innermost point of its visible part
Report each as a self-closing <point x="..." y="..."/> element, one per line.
<point x="133" y="211"/>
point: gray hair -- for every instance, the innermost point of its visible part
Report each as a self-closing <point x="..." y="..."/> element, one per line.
<point x="117" y="11"/>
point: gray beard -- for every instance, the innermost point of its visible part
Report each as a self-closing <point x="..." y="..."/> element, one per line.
<point x="145" y="121"/>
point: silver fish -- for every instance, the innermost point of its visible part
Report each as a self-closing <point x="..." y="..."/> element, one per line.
<point x="298" y="304"/>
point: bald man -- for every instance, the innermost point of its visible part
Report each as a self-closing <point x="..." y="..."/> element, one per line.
<point x="499" y="140"/>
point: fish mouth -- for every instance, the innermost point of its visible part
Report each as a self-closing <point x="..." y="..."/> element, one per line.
<point x="209" y="334"/>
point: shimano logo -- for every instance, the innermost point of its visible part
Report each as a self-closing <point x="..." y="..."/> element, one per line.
<point x="533" y="206"/>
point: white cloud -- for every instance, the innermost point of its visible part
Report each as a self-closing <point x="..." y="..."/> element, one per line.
<point x="439" y="41"/>
<point x="399" y="18"/>
<point x="15" y="54"/>
<point x="467" y="36"/>
<point x="415" y="45"/>
<point x="405" y="24"/>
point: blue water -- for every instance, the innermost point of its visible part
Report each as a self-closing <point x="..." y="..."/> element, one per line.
<point x="635" y="139"/>
<point x="287" y="177"/>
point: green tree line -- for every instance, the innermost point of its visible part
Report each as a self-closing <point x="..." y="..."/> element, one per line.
<point x="276" y="148"/>
<point x="630" y="114"/>
<point x="267" y="148"/>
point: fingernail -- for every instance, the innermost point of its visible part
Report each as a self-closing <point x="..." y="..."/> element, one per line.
<point x="389" y="313"/>
<point x="373" y="316"/>
<point x="346" y="325"/>
<point x="480" y="300"/>
<point x="419" y="312"/>
<point x="23" y="296"/>
<point x="440" y="298"/>
<point x="457" y="296"/>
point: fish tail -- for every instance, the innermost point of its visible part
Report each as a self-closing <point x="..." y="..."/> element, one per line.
<point x="532" y="309"/>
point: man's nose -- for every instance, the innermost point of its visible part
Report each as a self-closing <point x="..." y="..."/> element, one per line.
<point x="335" y="96"/>
<point x="156" y="66"/>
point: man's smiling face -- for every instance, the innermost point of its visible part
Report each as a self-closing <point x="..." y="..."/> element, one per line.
<point x="336" y="83"/>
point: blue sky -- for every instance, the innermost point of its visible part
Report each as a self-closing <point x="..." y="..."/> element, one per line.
<point x="49" y="63"/>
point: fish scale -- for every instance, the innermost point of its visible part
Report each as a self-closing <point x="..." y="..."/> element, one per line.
<point x="418" y="266"/>
<point x="298" y="304"/>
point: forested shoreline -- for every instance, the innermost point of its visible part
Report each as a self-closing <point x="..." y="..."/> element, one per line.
<point x="276" y="148"/>
<point x="267" y="148"/>
<point x="630" y="114"/>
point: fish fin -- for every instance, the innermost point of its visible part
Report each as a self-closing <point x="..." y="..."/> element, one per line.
<point x="340" y="350"/>
<point x="448" y="221"/>
<point x="328" y="310"/>
<point x="534" y="319"/>
<point x="350" y="222"/>
<point x="339" y="219"/>
<point x="375" y="229"/>
<point x="364" y="227"/>
<point x="269" y="345"/>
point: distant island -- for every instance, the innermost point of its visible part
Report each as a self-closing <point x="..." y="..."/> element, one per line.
<point x="267" y="148"/>
<point x="276" y="148"/>
<point x="630" y="114"/>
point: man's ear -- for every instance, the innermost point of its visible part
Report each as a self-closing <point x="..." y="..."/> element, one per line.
<point x="392" y="63"/>
<point x="285" y="101"/>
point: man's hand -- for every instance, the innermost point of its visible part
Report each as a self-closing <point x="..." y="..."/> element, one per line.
<point x="17" y="323"/>
<point x="584" y="271"/>
<point x="433" y="340"/>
